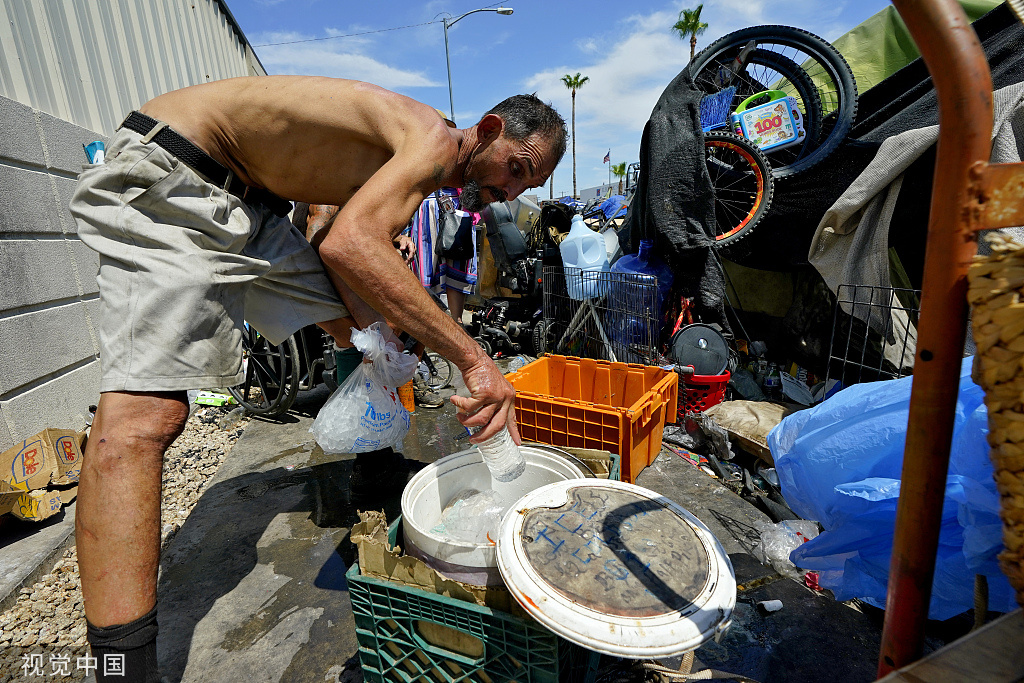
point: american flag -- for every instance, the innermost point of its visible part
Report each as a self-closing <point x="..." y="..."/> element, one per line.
<point x="607" y="157"/>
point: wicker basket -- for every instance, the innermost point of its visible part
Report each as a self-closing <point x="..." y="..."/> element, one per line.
<point x="996" y="295"/>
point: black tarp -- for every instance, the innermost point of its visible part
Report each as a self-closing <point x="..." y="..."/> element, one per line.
<point x="674" y="202"/>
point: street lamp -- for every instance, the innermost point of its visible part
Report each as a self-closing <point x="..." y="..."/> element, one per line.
<point x="448" y="23"/>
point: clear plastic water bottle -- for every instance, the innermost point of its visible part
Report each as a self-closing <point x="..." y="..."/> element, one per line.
<point x="502" y="456"/>
<point x="517" y="363"/>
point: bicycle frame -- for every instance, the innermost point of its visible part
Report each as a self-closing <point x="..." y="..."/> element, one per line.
<point x="316" y="355"/>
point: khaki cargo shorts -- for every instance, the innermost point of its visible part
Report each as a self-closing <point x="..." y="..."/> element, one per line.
<point x="182" y="264"/>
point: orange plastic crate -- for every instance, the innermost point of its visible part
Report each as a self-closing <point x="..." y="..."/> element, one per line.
<point x="586" y="403"/>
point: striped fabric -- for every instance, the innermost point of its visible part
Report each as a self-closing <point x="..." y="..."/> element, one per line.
<point x="436" y="273"/>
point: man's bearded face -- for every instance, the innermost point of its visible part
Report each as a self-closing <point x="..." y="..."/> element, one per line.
<point x="470" y="199"/>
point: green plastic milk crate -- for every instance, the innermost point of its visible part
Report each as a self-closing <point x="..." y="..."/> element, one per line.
<point x="406" y="634"/>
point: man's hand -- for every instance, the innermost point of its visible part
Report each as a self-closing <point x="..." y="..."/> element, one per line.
<point x="406" y="247"/>
<point x="491" y="404"/>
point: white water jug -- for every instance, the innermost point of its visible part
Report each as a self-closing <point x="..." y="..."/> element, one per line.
<point x="584" y="249"/>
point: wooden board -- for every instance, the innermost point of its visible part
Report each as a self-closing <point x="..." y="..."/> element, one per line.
<point x="991" y="654"/>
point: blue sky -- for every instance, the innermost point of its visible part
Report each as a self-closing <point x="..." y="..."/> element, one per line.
<point x="625" y="48"/>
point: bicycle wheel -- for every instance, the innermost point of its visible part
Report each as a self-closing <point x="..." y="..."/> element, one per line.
<point x="542" y="337"/>
<point x="271" y="376"/>
<point x="484" y="344"/>
<point x="821" y="81"/>
<point x="441" y="371"/>
<point x="742" y="179"/>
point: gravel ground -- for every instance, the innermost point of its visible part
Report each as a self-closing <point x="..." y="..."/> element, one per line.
<point x="48" y="619"/>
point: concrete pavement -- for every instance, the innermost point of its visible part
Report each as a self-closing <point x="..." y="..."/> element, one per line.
<point x="252" y="587"/>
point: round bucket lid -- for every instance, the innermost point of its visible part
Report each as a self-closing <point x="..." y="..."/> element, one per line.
<point x="701" y="346"/>
<point x="616" y="568"/>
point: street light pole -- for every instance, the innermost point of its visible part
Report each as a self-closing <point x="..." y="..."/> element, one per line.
<point x="448" y="23"/>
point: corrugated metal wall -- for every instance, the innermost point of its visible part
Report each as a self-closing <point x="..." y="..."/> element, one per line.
<point x="90" y="62"/>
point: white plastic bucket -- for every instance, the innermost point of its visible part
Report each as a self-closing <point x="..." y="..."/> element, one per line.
<point x="433" y="487"/>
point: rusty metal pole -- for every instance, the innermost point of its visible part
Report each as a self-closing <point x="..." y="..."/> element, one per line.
<point x="963" y="83"/>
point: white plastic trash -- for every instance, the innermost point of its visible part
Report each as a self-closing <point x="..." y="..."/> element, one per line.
<point x="584" y="249"/>
<point x="616" y="568"/>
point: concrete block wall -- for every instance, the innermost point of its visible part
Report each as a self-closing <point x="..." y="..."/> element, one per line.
<point x="49" y="368"/>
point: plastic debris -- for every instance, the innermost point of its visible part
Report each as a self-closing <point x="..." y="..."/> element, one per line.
<point x="365" y="413"/>
<point x="779" y="540"/>
<point x="841" y="463"/>
<point x="471" y="516"/>
<point x="232" y="418"/>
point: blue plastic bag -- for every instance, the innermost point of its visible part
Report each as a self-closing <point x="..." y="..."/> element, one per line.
<point x="840" y="464"/>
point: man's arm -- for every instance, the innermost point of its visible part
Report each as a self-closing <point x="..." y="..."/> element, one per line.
<point x="318" y="223"/>
<point x="318" y="217"/>
<point x="358" y="248"/>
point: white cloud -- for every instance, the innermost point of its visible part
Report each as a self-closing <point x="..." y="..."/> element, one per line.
<point x="341" y="58"/>
<point x="636" y="63"/>
<point x="747" y="12"/>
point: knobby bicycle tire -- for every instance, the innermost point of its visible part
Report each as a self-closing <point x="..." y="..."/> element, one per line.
<point x="836" y="122"/>
<point x="740" y="204"/>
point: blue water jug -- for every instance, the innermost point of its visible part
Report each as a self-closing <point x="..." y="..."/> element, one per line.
<point x="639" y="288"/>
<point x="646" y="263"/>
<point x="584" y="249"/>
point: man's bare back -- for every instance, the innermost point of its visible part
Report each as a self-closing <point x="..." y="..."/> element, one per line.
<point x="283" y="133"/>
<point x="375" y="154"/>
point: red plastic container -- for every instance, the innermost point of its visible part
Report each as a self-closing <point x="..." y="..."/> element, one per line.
<point x="700" y="392"/>
<point x="586" y="403"/>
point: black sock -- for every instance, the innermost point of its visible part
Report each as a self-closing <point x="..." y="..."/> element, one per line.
<point x="133" y="645"/>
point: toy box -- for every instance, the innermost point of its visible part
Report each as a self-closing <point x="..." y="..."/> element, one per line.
<point x="773" y="125"/>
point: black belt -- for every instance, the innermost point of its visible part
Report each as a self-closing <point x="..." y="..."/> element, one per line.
<point x="203" y="164"/>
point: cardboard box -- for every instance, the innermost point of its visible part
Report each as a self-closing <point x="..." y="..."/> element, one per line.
<point x="36" y="506"/>
<point x="29" y="470"/>
<point x="51" y="457"/>
<point x="8" y="497"/>
<point x="379" y="559"/>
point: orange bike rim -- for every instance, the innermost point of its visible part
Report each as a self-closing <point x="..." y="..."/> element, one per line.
<point x="758" y="176"/>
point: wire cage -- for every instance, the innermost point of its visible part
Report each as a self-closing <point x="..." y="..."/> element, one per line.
<point x="607" y="316"/>
<point x="874" y="333"/>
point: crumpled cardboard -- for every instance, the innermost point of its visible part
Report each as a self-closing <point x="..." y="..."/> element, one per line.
<point x="599" y="462"/>
<point x="36" y="506"/>
<point x="29" y="470"/>
<point x="51" y="457"/>
<point x="8" y="497"/>
<point x="379" y="559"/>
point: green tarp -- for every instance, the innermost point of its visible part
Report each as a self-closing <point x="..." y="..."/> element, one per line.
<point x="882" y="45"/>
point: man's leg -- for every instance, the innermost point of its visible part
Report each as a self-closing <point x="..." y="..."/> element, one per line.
<point x="456" y="302"/>
<point x="117" y="523"/>
<point x="340" y="329"/>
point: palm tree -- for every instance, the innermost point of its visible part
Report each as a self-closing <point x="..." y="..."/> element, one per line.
<point x="619" y="171"/>
<point x="574" y="83"/>
<point x="689" y="24"/>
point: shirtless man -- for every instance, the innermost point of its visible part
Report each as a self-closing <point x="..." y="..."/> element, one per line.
<point x="183" y="216"/>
